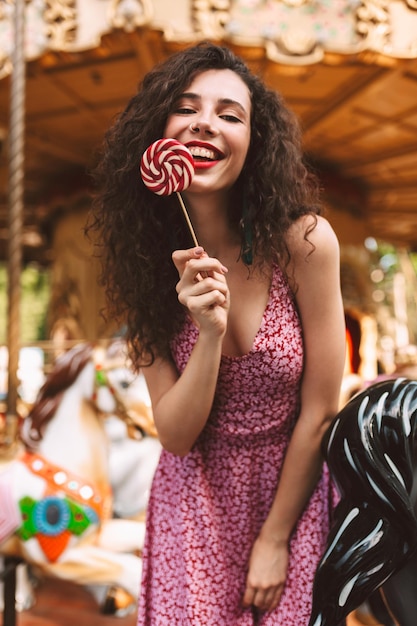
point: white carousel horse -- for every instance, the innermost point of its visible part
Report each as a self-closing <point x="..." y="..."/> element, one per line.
<point x="56" y="495"/>
<point x="132" y="463"/>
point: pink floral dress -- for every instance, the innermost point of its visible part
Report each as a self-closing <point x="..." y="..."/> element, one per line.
<point x="207" y="508"/>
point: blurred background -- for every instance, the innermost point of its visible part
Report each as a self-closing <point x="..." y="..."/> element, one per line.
<point x="348" y="68"/>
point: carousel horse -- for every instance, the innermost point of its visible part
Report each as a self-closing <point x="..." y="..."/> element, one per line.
<point x="371" y="451"/>
<point x="132" y="457"/>
<point x="56" y="495"/>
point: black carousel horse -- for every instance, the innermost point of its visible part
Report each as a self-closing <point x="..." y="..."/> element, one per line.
<point x="370" y="449"/>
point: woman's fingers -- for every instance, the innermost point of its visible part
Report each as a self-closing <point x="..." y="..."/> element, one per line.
<point x="205" y="302"/>
<point x="266" y="600"/>
<point x="206" y="293"/>
<point x="202" y="286"/>
<point x="197" y="269"/>
<point x="249" y="596"/>
<point x="263" y="599"/>
<point x="195" y="263"/>
<point x="267" y="572"/>
<point x="181" y="257"/>
<point x="202" y="277"/>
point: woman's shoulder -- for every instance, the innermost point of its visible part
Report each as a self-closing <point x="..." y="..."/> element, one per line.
<point x="311" y="235"/>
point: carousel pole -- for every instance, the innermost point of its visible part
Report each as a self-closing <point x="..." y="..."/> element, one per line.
<point x="16" y="175"/>
<point x="16" y="195"/>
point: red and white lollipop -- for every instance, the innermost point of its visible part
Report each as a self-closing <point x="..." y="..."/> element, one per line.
<point x="167" y="167"/>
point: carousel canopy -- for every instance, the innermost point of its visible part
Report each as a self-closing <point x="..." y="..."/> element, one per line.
<point x="347" y="67"/>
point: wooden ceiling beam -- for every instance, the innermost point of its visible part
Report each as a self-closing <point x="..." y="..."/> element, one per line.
<point x="395" y="185"/>
<point x="377" y="208"/>
<point x="380" y="156"/>
<point x="83" y="61"/>
<point x="143" y="50"/>
<point x="79" y="103"/>
<point x="346" y="92"/>
<point x="56" y="148"/>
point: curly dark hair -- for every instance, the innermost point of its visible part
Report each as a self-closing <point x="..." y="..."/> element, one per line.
<point x="135" y="231"/>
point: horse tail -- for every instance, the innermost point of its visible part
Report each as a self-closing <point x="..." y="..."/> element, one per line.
<point x="369" y="451"/>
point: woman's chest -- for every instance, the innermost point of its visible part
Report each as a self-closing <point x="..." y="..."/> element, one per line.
<point x="249" y="299"/>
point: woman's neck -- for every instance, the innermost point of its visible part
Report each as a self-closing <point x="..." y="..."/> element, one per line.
<point x="209" y="217"/>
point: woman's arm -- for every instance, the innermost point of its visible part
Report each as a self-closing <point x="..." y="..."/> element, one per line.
<point x="316" y="272"/>
<point x="181" y="404"/>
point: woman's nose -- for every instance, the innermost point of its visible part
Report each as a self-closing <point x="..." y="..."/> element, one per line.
<point x="203" y="125"/>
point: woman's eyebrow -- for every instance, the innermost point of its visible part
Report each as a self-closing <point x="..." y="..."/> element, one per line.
<point x="233" y="103"/>
<point x="189" y="94"/>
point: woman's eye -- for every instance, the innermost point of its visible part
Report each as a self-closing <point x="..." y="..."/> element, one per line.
<point x="184" y="111"/>
<point x="230" y="118"/>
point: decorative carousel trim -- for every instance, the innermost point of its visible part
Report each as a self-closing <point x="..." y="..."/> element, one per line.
<point x="287" y="32"/>
<point x="302" y="32"/>
<point x="60" y="18"/>
<point x="131" y="14"/>
<point x="209" y="17"/>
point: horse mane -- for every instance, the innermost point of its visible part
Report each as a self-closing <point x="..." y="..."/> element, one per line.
<point x="66" y="370"/>
<point x="370" y="451"/>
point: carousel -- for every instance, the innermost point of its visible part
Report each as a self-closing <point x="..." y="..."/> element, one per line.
<point x="348" y="68"/>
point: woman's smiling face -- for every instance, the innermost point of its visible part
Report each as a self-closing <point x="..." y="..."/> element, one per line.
<point x="212" y="118"/>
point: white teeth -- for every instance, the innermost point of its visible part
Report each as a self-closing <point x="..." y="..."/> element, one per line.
<point x="202" y="152"/>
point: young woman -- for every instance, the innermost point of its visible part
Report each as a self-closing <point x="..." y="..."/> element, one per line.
<point x="241" y="340"/>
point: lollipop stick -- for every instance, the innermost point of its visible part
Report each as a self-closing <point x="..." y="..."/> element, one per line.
<point x="190" y="226"/>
